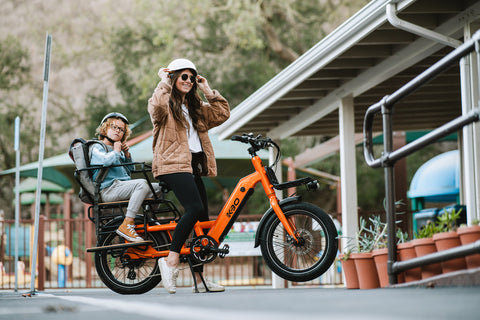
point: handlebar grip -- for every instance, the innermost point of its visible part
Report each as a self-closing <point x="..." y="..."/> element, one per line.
<point x="236" y="138"/>
<point x="244" y="139"/>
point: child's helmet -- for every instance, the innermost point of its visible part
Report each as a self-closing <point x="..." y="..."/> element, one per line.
<point x="114" y="115"/>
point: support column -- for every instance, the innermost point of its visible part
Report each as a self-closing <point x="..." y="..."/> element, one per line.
<point x="471" y="133"/>
<point x="348" y="170"/>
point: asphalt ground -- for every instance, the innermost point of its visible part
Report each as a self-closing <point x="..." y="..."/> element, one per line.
<point x="247" y="303"/>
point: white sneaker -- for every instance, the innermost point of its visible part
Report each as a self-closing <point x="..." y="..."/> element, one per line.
<point x="212" y="287"/>
<point x="169" y="276"/>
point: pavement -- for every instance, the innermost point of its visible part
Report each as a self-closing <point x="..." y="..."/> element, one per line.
<point x="461" y="278"/>
<point x="247" y="303"/>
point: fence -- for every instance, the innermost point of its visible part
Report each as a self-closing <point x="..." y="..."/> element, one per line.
<point x="64" y="262"/>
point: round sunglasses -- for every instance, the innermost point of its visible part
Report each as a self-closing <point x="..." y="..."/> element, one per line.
<point x="184" y="77"/>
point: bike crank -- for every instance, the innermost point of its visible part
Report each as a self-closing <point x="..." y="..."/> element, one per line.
<point x="204" y="249"/>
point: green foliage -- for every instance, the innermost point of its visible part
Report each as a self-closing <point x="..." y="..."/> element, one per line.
<point x="448" y="220"/>
<point x="372" y="235"/>
<point x="427" y="231"/>
<point x="368" y="238"/>
<point x="402" y="237"/>
<point x="14" y="64"/>
<point x="445" y="222"/>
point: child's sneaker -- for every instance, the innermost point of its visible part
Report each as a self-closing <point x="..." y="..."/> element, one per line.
<point x="128" y="232"/>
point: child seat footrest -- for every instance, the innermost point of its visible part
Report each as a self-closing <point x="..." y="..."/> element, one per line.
<point x="121" y="246"/>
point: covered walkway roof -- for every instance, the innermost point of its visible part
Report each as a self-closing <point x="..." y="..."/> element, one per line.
<point x="328" y="89"/>
<point x="367" y="58"/>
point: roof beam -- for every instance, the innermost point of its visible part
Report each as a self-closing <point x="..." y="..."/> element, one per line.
<point x="408" y="56"/>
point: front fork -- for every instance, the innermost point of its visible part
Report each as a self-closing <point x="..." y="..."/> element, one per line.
<point x="287" y="224"/>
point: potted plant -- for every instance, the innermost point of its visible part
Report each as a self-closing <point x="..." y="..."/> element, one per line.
<point x="406" y="251"/>
<point x="378" y="231"/>
<point x="349" y="270"/>
<point x="447" y="237"/>
<point x="359" y="250"/>
<point x="362" y="256"/>
<point x="469" y="234"/>
<point x="423" y="245"/>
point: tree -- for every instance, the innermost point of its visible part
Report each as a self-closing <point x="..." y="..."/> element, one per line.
<point x="238" y="45"/>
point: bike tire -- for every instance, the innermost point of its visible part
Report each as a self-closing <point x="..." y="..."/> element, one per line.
<point x="310" y="258"/>
<point x="115" y="274"/>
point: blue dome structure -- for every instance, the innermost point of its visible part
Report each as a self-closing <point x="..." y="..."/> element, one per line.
<point x="437" y="180"/>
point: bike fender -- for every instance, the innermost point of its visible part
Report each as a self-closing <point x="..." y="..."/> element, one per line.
<point x="269" y="213"/>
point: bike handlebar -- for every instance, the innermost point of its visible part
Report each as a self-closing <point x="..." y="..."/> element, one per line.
<point x="257" y="142"/>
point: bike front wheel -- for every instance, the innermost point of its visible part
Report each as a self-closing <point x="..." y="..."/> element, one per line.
<point x="315" y="250"/>
<point x="124" y="275"/>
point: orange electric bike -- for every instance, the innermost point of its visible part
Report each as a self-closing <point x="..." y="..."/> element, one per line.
<point x="298" y="240"/>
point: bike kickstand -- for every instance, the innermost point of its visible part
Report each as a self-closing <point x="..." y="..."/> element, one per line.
<point x="195" y="279"/>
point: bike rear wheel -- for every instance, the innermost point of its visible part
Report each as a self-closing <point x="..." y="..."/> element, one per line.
<point x="312" y="255"/>
<point x="128" y="276"/>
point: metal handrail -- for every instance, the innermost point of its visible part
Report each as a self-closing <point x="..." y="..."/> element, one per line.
<point x="389" y="101"/>
<point x="389" y="156"/>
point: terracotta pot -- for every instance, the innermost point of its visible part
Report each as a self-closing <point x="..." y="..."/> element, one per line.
<point x="468" y="235"/>
<point x="366" y="270"/>
<point x="448" y="240"/>
<point x="406" y="251"/>
<point x="423" y="247"/>
<point x="380" y="257"/>
<point x="349" y="271"/>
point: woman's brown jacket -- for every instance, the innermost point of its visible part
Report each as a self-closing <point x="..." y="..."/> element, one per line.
<point x="171" y="152"/>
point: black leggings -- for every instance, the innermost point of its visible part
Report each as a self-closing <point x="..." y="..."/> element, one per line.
<point x="190" y="192"/>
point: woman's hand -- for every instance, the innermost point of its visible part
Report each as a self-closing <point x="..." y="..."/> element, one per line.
<point x="164" y="75"/>
<point x="202" y="84"/>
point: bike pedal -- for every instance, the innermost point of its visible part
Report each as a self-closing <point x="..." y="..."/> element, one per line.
<point x="132" y="275"/>
<point x="224" y="251"/>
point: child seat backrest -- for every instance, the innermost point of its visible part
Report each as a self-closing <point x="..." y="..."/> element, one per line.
<point x="80" y="152"/>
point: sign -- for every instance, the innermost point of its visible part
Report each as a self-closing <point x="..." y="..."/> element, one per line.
<point x="241" y="239"/>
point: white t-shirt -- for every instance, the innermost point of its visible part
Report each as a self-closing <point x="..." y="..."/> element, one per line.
<point x="192" y="134"/>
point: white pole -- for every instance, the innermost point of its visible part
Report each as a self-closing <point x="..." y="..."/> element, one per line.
<point x="17" y="196"/>
<point x="46" y="70"/>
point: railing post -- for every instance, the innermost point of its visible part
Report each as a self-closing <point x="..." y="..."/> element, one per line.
<point x="88" y="244"/>
<point x="389" y="189"/>
<point x="41" y="254"/>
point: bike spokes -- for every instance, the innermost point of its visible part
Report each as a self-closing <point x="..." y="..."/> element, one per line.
<point x="314" y="249"/>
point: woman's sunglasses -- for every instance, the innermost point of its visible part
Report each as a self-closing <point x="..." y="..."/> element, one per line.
<point x="184" y="77"/>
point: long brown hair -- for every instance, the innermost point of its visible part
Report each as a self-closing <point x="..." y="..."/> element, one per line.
<point x="192" y="101"/>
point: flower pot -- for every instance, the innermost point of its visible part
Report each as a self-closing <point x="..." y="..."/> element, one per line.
<point x="423" y="247"/>
<point x="350" y="272"/>
<point x="406" y="251"/>
<point x="366" y="270"/>
<point x="448" y="240"/>
<point x="380" y="257"/>
<point x="468" y="235"/>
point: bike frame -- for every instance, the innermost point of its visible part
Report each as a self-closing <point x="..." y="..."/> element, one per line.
<point x="219" y="227"/>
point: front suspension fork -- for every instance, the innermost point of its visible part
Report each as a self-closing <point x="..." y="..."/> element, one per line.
<point x="287" y="223"/>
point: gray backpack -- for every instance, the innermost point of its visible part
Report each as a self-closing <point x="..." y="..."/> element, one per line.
<point x="80" y="153"/>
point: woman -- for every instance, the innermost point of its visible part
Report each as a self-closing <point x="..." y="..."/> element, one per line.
<point x="182" y="151"/>
<point x="117" y="184"/>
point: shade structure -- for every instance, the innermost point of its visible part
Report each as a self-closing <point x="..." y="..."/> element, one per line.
<point x="437" y="180"/>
